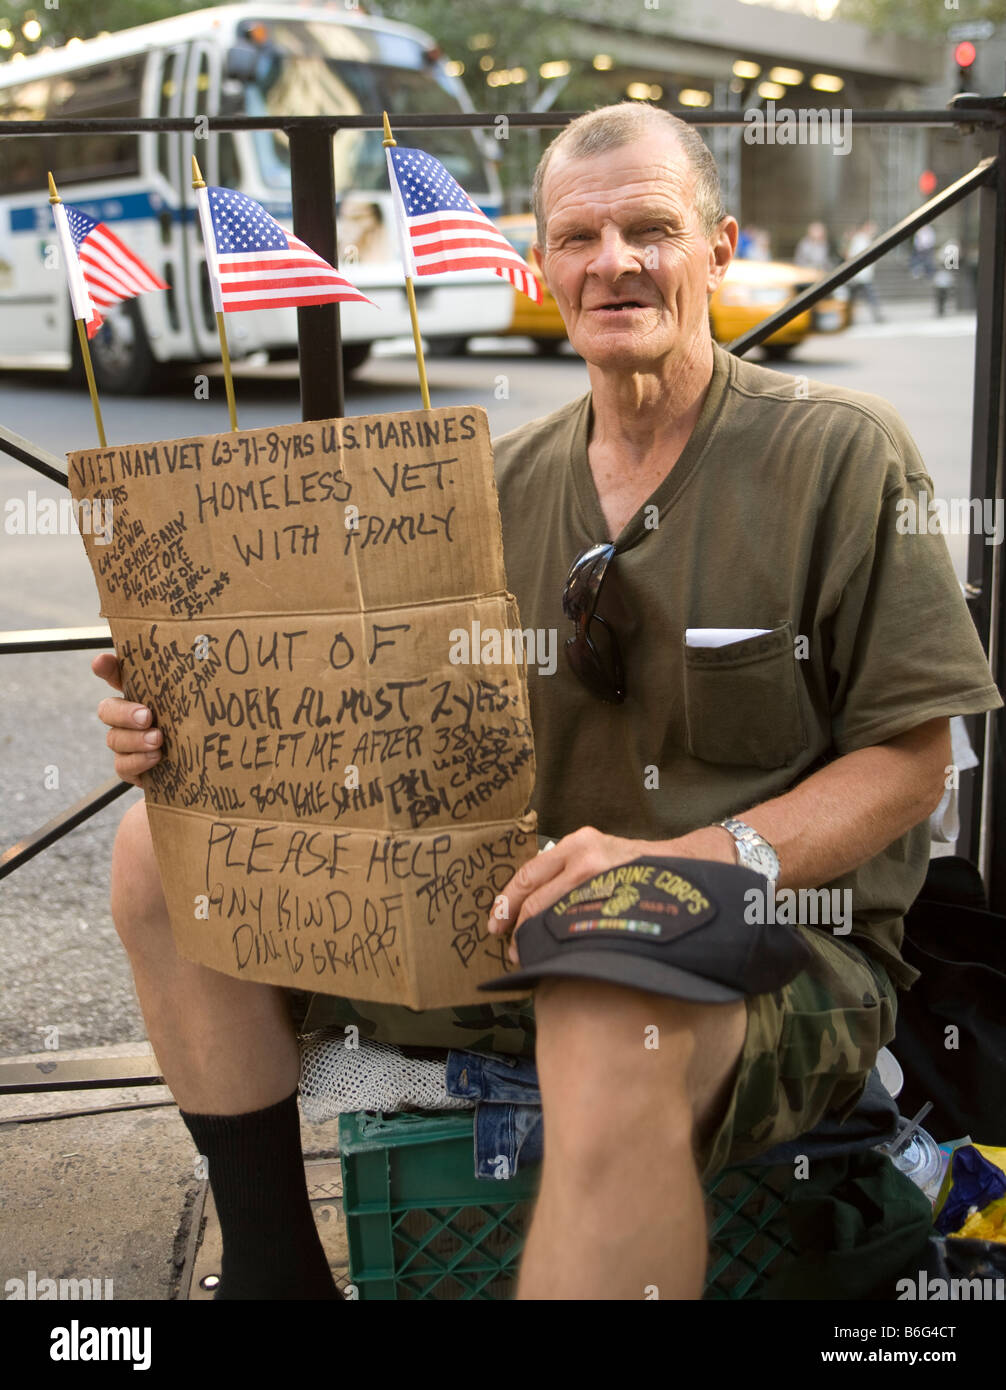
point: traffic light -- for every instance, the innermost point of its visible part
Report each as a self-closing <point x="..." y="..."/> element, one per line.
<point x="965" y="54"/>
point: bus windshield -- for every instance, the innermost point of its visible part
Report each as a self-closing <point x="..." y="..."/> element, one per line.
<point x="316" y="69"/>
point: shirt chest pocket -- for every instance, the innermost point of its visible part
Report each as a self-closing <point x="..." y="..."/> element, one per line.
<point x="742" y="701"/>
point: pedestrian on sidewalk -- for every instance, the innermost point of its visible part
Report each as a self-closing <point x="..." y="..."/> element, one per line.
<point x="943" y="276"/>
<point x="861" y="285"/>
<point x="923" y="244"/>
<point x="812" y="250"/>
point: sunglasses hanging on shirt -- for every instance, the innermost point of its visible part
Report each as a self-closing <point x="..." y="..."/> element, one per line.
<point x="592" y="651"/>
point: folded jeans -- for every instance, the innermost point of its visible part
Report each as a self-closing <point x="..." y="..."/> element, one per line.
<point x="508" y="1121"/>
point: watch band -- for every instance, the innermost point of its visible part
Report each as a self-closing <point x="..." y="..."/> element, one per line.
<point x="753" y="850"/>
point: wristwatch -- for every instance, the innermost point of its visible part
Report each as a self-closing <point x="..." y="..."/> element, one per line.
<point x="753" y="850"/>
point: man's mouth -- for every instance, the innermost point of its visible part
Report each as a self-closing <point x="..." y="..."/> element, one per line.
<point x="619" y="306"/>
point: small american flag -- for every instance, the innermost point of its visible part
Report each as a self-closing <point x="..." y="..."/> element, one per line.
<point x="446" y="230"/>
<point x="260" y="266"/>
<point x="111" y="271"/>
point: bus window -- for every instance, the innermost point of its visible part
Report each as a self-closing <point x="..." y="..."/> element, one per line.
<point x="308" y="69"/>
<point x="229" y="171"/>
<point x="413" y="93"/>
<point x="111" y="89"/>
<point x="203" y="84"/>
<point x="167" y="105"/>
<point x="22" y="157"/>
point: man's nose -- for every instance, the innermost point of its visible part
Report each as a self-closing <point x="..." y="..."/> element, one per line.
<point x="614" y="255"/>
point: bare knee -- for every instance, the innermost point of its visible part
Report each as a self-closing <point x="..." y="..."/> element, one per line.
<point x="619" y="1065"/>
<point x="138" y="906"/>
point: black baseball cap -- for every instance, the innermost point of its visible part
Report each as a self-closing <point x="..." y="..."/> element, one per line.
<point x="688" y="928"/>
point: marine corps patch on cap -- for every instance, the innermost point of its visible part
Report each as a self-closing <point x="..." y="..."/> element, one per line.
<point x="669" y="926"/>
<point x="656" y="903"/>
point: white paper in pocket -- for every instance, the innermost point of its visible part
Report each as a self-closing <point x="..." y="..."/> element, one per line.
<point x="721" y="636"/>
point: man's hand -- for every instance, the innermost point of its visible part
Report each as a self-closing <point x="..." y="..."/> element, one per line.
<point x="544" y="880"/>
<point x="136" y="745"/>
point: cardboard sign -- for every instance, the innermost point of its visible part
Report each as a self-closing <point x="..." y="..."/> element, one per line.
<point x="339" y="799"/>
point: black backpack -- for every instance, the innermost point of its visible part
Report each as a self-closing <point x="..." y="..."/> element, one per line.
<point x="960" y="948"/>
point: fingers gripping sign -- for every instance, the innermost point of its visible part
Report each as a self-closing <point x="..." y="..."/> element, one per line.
<point x="543" y="880"/>
<point x="106" y="668"/>
<point x="131" y="736"/>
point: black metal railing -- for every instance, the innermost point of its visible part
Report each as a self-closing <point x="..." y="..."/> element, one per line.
<point x="983" y="818"/>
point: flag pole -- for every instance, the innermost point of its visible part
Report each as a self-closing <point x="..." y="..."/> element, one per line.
<point x="199" y="185"/>
<point x="424" y="388"/>
<point x="77" y="301"/>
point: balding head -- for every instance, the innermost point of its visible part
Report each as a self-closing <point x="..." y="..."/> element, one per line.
<point x="610" y="127"/>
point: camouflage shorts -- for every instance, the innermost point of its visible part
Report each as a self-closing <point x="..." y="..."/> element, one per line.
<point x="808" y="1050"/>
<point x="507" y="1027"/>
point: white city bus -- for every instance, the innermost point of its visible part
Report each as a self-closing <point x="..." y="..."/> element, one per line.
<point x="267" y="59"/>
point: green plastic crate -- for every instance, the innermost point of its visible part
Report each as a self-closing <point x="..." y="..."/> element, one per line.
<point x="748" y="1230"/>
<point x="421" y="1225"/>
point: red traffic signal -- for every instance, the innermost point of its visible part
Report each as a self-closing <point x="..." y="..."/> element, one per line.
<point x="965" y="54"/>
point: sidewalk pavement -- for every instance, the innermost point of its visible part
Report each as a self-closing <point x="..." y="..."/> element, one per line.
<point x="897" y="313"/>
<point x="89" y="1191"/>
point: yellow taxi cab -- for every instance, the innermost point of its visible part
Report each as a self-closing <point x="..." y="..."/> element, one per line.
<point x="542" y="323"/>
<point x="751" y="290"/>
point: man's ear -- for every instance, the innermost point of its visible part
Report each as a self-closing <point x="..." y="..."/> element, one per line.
<point x="538" y="261"/>
<point x="721" y="252"/>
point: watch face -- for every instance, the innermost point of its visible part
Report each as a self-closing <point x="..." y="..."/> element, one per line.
<point x="762" y="859"/>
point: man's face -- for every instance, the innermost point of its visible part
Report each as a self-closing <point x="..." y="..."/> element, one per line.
<point x="625" y="256"/>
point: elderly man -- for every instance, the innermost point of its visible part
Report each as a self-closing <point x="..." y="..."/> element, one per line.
<point x="687" y="490"/>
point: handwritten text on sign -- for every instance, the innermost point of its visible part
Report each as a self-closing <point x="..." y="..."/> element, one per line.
<point x="283" y="600"/>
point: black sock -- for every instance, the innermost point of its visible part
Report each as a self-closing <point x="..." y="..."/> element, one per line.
<point x="271" y="1247"/>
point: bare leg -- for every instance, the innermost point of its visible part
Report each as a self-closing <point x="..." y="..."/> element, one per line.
<point x="621" y="1208"/>
<point x="225" y="1046"/>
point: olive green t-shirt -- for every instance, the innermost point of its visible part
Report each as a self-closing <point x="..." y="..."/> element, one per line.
<point x="781" y="513"/>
